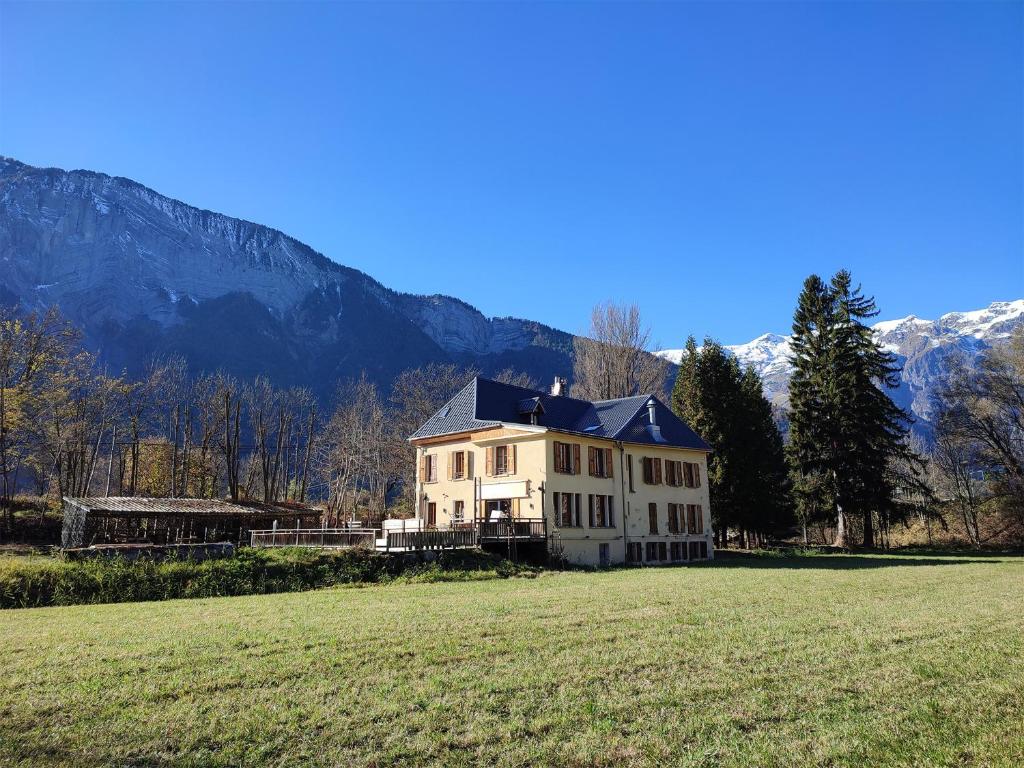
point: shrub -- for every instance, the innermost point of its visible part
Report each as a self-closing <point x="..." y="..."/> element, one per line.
<point x="28" y="582"/>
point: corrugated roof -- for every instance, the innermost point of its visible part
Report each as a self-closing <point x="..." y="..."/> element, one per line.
<point x="125" y="505"/>
<point x="485" y="403"/>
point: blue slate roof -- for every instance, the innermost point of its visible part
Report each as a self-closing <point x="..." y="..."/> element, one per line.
<point x="484" y="403"/>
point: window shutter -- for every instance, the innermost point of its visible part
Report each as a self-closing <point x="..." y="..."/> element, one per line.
<point x="423" y="468"/>
<point x="648" y="471"/>
<point x="696" y="475"/>
<point x="652" y="517"/>
<point x="558" y="457"/>
<point x="576" y="458"/>
<point x="490" y="460"/>
<point x="577" y="502"/>
<point x="451" y="462"/>
<point x="512" y="459"/>
<point x="592" y="460"/>
<point x="608" y="463"/>
<point x="590" y="503"/>
<point x="611" y="511"/>
<point x="469" y="464"/>
<point x="657" y="471"/>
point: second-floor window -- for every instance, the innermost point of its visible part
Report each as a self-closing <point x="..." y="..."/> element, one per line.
<point x="458" y="465"/>
<point x="501" y="460"/>
<point x="428" y="468"/>
<point x="601" y="511"/>
<point x="691" y="474"/>
<point x="567" y="458"/>
<point x="652" y="470"/>
<point x="673" y="473"/>
<point x="600" y="460"/>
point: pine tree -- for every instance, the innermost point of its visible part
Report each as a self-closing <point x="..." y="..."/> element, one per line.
<point x="846" y="434"/>
<point x="746" y="471"/>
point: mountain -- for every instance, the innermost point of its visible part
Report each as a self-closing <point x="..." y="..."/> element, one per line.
<point x="144" y="275"/>
<point x="924" y="349"/>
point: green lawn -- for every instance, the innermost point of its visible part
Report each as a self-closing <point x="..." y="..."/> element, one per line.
<point x="827" y="660"/>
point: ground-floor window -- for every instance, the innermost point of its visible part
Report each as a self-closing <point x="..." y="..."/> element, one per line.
<point x="698" y="550"/>
<point x="604" y="554"/>
<point x="657" y="550"/>
<point x="458" y="511"/>
<point x="634" y="552"/>
<point x="677" y="550"/>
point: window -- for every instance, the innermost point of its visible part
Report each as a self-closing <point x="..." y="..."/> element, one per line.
<point x="431" y="513"/>
<point x="652" y="516"/>
<point x="567" y="458"/>
<point x="458" y="465"/>
<point x="567" y="509"/>
<point x="604" y="555"/>
<point x="629" y="470"/>
<point x="698" y="550"/>
<point x="601" y="514"/>
<point x="695" y="518"/>
<point x="662" y="551"/>
<point x="634" y="552"/>
<point x="673" y="473"/>
<point x="691" y="474"/>
<point x="428" y="468"/>
<point x="458" y="511"/>
<point x="652" y="471"/>
<point x="600" y="460"/>
<point x="674" y="518"/>
<point x="501" y="460"/>
<point x="676" y="550"/>
<point x="652" y="551"/>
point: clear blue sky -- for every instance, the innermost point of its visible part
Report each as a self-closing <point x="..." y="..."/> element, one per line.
<point x="534" y="159"/>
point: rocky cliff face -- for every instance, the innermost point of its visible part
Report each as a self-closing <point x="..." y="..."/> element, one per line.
<point x="143" y="274"/>
<point x="924" y="349"/>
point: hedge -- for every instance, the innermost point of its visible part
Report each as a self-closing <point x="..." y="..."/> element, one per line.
<point x="30" y="582"/>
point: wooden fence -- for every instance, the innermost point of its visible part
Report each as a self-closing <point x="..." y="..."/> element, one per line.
<point x="315" y="537"/>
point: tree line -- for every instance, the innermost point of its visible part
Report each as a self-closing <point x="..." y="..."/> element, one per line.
<point x="844" y="468"/>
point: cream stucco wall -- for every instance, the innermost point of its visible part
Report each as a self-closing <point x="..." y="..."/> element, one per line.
<point x="535" y="468"/>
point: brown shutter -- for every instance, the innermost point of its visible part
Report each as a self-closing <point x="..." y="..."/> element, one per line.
<point x="576" y="458"/>
<point x="652" y="517"/>
<point x="558" y="457"/>
<point x="590" y="502"/>
<point x="696" y="475"/>
<point x="592" y="460"/>
<point x="490" y="460"/>
<point x="657" y="471"/>
<point x="608" y="463"/>
<point x="512" y="459"/>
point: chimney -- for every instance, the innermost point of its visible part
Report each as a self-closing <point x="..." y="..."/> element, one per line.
<point x="650" y="412"/>
<point x="558" y="388"/>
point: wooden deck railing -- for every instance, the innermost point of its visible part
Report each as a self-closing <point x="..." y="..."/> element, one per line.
<point x="499" y="530"/>
<point x="456" y="538"/>
<point x="315" y="537"/>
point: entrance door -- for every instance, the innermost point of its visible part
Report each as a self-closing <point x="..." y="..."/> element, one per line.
<point x="498" y="509"/>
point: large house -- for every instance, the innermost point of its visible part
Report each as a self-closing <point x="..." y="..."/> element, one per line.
<point x="605" y="482"/>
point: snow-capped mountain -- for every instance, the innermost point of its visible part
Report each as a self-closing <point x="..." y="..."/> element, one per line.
<point x="922" y="347"/>
<point x="142" y="275"/>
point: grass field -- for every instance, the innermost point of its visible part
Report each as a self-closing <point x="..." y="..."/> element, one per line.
<point x="826" y="660"/>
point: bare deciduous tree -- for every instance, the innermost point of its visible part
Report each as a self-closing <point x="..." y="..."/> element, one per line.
<point x="614" y="360"/>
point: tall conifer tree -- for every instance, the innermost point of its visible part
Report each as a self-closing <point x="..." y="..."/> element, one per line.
<point x="846" y="433"/>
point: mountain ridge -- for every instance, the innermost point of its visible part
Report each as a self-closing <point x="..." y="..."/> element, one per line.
<point x="140" y="272"/>
<point x="923" y="349"/>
